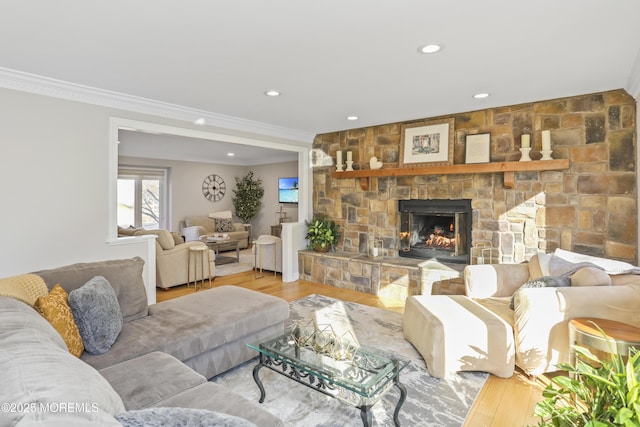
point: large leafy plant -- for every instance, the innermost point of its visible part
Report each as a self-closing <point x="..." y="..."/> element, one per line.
<point x="247" y="199"/>
<point x="322" y="233"/>
<point x="597" y="393"/>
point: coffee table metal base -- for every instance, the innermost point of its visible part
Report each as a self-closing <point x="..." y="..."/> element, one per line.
<point x="323" y="386"/>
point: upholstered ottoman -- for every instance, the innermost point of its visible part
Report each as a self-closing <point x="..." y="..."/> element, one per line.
<point x="454" y="333"/>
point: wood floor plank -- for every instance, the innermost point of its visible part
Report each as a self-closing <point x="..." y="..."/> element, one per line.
<point x="501" y="403"/>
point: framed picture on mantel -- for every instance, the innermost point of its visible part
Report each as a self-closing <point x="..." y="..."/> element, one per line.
<point x="427" y="143"/>
<point x="478" y="148"/>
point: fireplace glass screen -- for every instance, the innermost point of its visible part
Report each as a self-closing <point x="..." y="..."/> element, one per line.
<point x="435" y="229"/>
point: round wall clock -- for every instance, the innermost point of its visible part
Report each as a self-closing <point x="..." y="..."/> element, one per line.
<point x="213" y="188"/>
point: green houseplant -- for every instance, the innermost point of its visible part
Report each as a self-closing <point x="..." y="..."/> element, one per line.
<point x="247" y="199"/>
<point x="597" y="393"/>
<point x="322" y="233"/>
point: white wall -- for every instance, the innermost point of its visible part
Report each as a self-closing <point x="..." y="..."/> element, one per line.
<point x="58" y="162"/>
<point x="53" y="177"/>
<point x="269" y="175"/>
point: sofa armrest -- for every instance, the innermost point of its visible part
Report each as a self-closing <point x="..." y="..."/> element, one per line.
<point x="193" y="233"/>
<point x="541" y="318"/>
<point x="494" y="280"/>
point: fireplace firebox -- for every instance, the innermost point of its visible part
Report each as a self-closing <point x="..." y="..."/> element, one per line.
<point x="439" y="229"/>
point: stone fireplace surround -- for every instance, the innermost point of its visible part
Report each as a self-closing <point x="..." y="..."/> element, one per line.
<point x="589" y="208"/>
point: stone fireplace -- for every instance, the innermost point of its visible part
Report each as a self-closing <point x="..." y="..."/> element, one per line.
<point x="588" y="207"/>
<point x="435" y="229"/>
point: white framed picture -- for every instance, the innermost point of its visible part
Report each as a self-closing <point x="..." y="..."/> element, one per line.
<point x="478" y="148"/>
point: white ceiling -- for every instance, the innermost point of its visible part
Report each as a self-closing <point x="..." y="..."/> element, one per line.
<point x="330" y="58"/>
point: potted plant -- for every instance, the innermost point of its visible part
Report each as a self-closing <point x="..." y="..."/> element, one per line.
<point x="247" y="199"/>
<point x="597" y="393"/>
<point x="322" y="233"/>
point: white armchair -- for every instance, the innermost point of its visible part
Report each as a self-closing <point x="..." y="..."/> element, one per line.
<point x="171" y="258"/>
<point x="541" y="315"/>
<point x="267" y="253"/>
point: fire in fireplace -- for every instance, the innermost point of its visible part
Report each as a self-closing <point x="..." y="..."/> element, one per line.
<point x="438" y="229"/>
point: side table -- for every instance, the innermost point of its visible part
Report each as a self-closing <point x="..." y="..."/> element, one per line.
<point x="200" y="253"/>
<point x="620" y="337"/>
<point x="260" y="246"/>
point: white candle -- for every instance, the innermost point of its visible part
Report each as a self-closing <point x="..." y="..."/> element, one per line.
<point x="349" y="156"/>
<point x="375" y="251"/>
<point x="338" y="158"/>
<point x="546" y="140"/>
<point x="526" y="140"/>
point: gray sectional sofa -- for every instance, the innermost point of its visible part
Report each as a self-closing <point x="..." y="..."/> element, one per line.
<point x="162" y="358"/>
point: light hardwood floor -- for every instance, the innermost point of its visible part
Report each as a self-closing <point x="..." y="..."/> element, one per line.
<point x="501" y="403"/>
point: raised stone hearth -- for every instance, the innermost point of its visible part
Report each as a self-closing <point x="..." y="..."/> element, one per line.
<point x="590" y="207"/>
<point x="391" y="277"/>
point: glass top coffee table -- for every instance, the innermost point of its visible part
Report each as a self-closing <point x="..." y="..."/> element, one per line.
<point x="360" y="382"/>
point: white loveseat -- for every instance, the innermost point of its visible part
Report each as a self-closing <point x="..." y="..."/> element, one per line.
<point x="540" y="316"/>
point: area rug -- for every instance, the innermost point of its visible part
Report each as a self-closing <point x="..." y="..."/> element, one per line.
<point x="430" y="401"/>
<point x="245" y="264"/>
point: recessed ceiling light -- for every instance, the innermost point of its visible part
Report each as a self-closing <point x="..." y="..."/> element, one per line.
<point x="429" y="48"/>
<point x="481" y="95"/>
<point x="201" y="121"/>
<point x="231" y="154"/>
<point x="272" y="92"/>
<point x="352" y="117"/>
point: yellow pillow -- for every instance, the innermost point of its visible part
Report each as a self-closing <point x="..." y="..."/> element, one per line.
<point x="25" y="287"/>
<point x="55" y="308"/>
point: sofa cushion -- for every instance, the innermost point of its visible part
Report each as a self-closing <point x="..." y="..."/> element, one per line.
<point x="224" y="225"/>
<point x="124" y="275"/>
<point x="184" y="417"/>
<point x="97" y="313"/>
<point x="24" y="287"/>
<point x="55" y="308"/>
<point x="544" y="282"/>
<point x="177" y="238"/>
<point x="35" y="369"/>
<point x="215" y="317"/>
<point x="208" y="224"/>
<point x="164" y="375"/>
<point x="590" y="276"/>
<point x="221" y="214"/>
<point x="164" y="238"/>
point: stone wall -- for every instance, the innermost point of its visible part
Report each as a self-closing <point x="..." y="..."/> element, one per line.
<point x="590" y="208"/>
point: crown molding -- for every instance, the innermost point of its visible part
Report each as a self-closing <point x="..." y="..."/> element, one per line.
<point x="40" y="85"/>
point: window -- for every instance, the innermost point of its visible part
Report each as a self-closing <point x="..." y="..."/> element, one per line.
<point x="142" y="197"/>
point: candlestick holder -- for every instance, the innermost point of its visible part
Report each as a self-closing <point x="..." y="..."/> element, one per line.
<point x="525" y="154"/>
<point x="339" y="167"/>
<point x="546" y="154"/>
<point x="349" y="165"/>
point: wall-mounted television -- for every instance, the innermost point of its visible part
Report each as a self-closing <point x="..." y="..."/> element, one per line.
<point x="288" y="190"/>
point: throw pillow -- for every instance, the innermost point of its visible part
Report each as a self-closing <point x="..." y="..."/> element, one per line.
<point x="184" y="417"/>
<point x="544" y="282"/>
<point x="24" y="287"/>
<point x="224" y="225"/>
<point x="590" y="276"/>
<point x="177" y="238"/>
<point x="55" y="308"/>
<point x="97" y="313"/>
<point x="164" y="239"/>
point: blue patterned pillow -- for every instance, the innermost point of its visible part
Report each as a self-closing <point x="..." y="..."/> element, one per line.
<point x="544" y="282"/>
<point x="97" y="313"/>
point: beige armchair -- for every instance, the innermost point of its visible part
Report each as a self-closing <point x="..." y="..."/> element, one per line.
<point x="267" y="251"/>
<point x="198" y="226"/>
<point x="172" y="256"/>
<point x="541" y="315"/>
